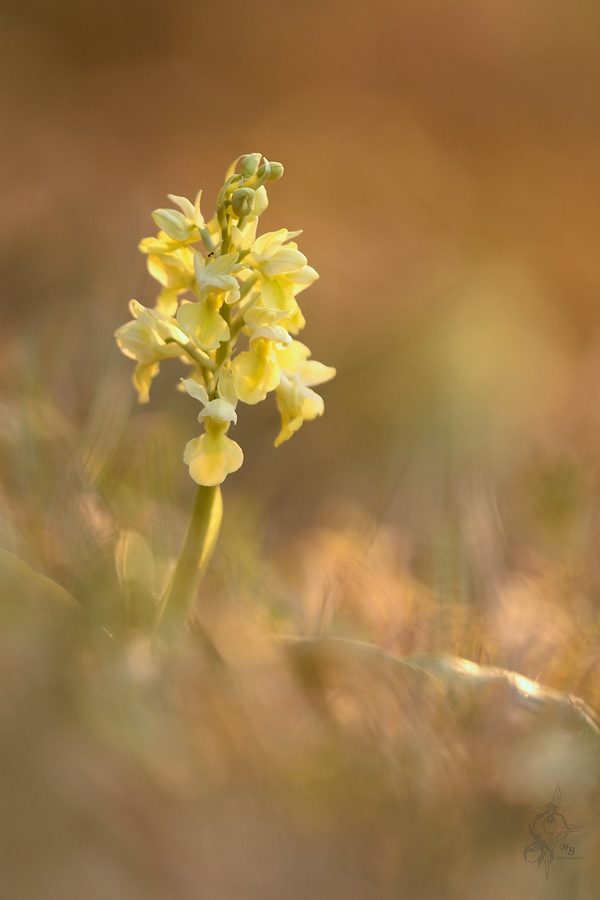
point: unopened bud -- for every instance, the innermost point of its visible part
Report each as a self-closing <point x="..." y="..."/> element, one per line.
<point x="276" y="171"/>
<point x="242" y="202"/>
<point x="250" y="164"/>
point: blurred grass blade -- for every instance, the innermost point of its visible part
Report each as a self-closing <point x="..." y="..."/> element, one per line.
<point x="20" y="585"/>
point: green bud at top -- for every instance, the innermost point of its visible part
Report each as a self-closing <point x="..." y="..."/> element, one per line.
<point x="242" y="202"/>
<point x="250" y="164"/>
<point x="276" y="171"/>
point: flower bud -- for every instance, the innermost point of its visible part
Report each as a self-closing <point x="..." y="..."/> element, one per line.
<point x="276" y="171"/>
<point x="250" y="164"/>
<point x="242" y="202"/>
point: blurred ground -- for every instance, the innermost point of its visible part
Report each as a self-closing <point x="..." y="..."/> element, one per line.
<point x="441" y="157"/>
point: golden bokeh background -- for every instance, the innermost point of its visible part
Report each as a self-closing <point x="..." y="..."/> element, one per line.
<point x="441" y="157"/>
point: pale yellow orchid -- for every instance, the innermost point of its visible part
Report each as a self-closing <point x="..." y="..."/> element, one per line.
<point x="243" y="286"/>
<point x="187" y="225"/>
<point x="240" y="284"/>
<point x="256" y="371"/>
<point x="142" y="379"/>
<point x="281" y="290"/>
<point x="243" y="238"/>
<point x="284" y="274"/>
<point x="213" y="455"/>
<point x="272" y="258"/>
<point x="290" y="356"/>
<point x="175" y="272"/>
<point x="203" y="323"/>
<point x="149" y="338"/>
<point x="217" y="276"/>
<point x="178" y="225"/>
<point x="296" y="401"/>
<point x="158" y="245"/>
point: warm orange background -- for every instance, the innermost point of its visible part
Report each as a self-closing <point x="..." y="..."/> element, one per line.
<point x="442" y="159"/>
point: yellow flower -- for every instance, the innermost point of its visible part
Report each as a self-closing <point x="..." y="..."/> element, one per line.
<point x="261" y="278"/>
<point x="267" y="323"/>
<point x="243" y="238"/>
<point x="149" y="338"/>
<point x="284" y="270"/>
<point x="290" y="357"/>
<point x="217" y="276"/>
<point x="284" y="274"/>
<point x="182" y="227"/>
<point x="174" y="270"/>
<point x="213" y="456"/>
<point x="272" y="258"/>
<point x="256" y="371"/>
<point x="179" y="226"/>
<point x="142" y="379"/>
<point x="296" y="402"/>
<point x="280" y="290"/>
<point x="158" y="245"/>
<point x="203" y="323"/>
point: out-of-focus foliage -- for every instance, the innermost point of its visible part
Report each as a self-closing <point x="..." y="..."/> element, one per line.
<point x="276" y="752"/>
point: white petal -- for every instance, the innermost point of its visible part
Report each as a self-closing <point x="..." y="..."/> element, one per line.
<point x="185" y="205"/>
<point x="220" y="410"/>
<point x="272" y="333"/>
<point x="195" y="390"/>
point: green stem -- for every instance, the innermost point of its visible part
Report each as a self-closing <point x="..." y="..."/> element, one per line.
<point x="199" y="356"/>
<point x="195" y="554"/>
<point x="224" y="348"/>
<point x="249" y="284"/>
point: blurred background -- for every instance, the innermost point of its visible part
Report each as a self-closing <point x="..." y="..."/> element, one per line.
<point x="441" y="158"/>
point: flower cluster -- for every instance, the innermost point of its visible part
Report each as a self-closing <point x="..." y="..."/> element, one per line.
<point x="220" y="283"/>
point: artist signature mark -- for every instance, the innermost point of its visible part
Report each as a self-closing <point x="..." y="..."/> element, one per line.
<point x="549" y="828"/>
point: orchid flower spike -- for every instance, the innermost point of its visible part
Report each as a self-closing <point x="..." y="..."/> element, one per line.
<point x="221" y="287"/>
